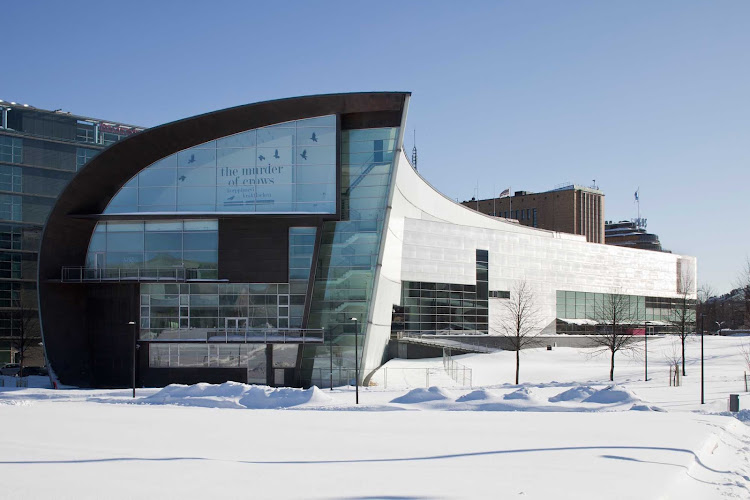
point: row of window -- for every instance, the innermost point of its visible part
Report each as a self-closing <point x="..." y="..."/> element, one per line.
<point x="521" y="214"/>
<point x="197" y="310"/>
<point x="154" y="244"/>
<point x="599" y="306"/>
<point x="252" y="357"/>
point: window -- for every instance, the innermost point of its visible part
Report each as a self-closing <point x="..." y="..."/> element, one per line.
<point x="10" y="178"/>
<point x="499" y="294"/>
<point x="11" y="149"/>
<point x="284" y="168"/>
<point x="83" y="155"/>
<point x="192" y="244"/>
<point x="190" y="311"/>
<point x="535" y="222"/>
<point x="10" y="207"/>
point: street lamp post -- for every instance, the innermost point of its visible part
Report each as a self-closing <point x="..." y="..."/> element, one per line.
<point x="356" y="362"/>
<point x="645" y="349"/>
<point x="135" y="343"/>
<point x="703" y="399"/>
<point x="330" y="349"/>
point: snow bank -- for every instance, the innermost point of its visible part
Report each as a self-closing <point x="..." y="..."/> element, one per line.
<point x="523" y="394"/>
<point x="236" y="395"/>
<point x="423" y="395"/>
<point x="478" y="395"/>
<point x="613" y="394"/>
<point x="578" y="393"/>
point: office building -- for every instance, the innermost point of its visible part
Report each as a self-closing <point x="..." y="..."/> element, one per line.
<point x="40" y="151"/>
<point x="570" y="209"/>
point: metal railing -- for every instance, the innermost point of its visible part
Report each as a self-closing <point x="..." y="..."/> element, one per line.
<point x="239" y="336"/>
<point x="83" y="274"/>
<point x="461" y="374"/>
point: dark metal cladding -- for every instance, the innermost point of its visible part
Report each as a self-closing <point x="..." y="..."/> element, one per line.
<point x="70" y="312"/>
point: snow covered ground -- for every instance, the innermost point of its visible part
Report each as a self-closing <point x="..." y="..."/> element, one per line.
<point x="565" y="432"/>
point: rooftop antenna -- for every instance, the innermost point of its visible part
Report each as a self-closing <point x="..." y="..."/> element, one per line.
<point x="414" y="151"/>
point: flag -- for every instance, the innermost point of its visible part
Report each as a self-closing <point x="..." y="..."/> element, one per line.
<point x="636" y="195"/>
<point x="505" y="193"/>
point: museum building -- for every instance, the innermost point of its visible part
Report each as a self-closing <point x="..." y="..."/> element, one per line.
<point x="272" y="243"/>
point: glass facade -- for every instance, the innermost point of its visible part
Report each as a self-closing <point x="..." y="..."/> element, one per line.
<point x="345" y="268"/>
<point x="443" y="307"/>
<point x="301" y="249"/>
<point x="198" y="311"/>
<point x="40" y="152"/>
<point x="284" y="168"/>
<point x="588" y="305"/>
<point x="155" y="244"/>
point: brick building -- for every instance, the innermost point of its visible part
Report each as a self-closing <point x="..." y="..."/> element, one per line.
<point x="571" y="209"/>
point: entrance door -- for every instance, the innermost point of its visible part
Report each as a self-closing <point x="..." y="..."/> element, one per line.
<point x="235" y="324"/>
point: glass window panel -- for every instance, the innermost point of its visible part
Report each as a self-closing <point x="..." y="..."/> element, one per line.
<point x="201" y="241"/>
<point x="164" y="259"/>
<point x="163" y="241"/>
<point x="98" y="242"/>
<point x="197" y="196"/>
<point x="157" y="177"/>
<point x="124" y="241"/>
<point x="236" y="157"/>
<point x="163" y="226"/>
<point x="241" y="140"/>
<point x="196" y="177"/>
<point x="201" y="225"/>
<point x="200" y="258"/>
<point x="165" y="196"/>
<point x="316" y="136"/>
<point x="281" y="135"/>
<point x="126" y="197"/>
<point x="197" y="157"/>
<point x="276" y="156"/>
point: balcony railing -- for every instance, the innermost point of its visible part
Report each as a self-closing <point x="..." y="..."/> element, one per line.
<point x="238" y="336"/>
<point x="83" y="274"/>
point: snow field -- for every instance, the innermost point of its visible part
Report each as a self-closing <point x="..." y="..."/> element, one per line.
<point x="566" y="432"/>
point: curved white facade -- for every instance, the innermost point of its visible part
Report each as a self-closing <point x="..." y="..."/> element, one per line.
<point x="429" y="238"/>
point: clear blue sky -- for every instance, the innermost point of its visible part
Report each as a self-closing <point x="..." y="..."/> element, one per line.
<point x="526" y="94"/>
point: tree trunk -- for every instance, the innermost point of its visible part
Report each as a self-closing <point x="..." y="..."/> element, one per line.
<point x="683" y="355"/>
<point x="518" y="363"/>
<point x="612" y="368"/>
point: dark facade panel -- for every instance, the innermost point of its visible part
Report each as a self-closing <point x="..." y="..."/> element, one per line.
<point x="71" y="352"/>
<point x="254" y="250"/>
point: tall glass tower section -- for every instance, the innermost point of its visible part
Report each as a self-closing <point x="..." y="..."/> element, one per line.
<point x="348" y="256"/>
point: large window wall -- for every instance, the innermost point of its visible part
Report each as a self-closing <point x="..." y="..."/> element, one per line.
<point x="345" y="268"/>
<point x="588" y="305"/>
<point x="285" y="168"/>
<point x="155" y="244"/>
<point x="195" y="311"/>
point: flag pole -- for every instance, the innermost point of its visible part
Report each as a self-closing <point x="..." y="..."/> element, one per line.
<point x="494" y="197"/>
<point x="510" y="201"/>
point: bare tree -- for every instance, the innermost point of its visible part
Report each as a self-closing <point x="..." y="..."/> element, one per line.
<point x="743" y="283"/>
<point x="745" y="350"/>
<point x="673" y="357"/>
<point x="683" y="310"/>
<point x="615" y="317"/>
<point x="520" y="320"/>
<point x="25" y="330"/>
